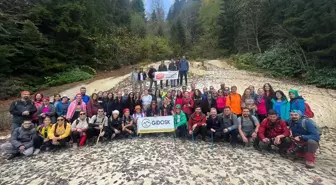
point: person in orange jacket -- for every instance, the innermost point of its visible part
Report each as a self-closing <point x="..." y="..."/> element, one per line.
<point x="234" y="101"/>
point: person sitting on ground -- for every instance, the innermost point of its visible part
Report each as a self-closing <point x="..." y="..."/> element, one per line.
<point x="197" y="123"/>
<point x="62" y="107"/>
<point x="229" y="123"/>
<point x="59" y="133"/>
<point x="46" y="109"/>
<point x="75" y="107"/>
<point x="153" y="110"/>
<point x="22" y="109"/>
<point x="127" y="124"/>
<point x="273" y="131"/>
<point x="306" y="137"/>
<point x="41" y="139"/>
<point x="248" y="126"/>
<point x="180" y="122"/>
<point x="166" y="108"/>
<point x="296" y="101"/>
<point x="78" y="129"/>
<point x="213" y="125"/>
<point x="114" y="127"/>
<point x="93" y="105"/>
<point x="97" y="122"/>
<point x="21" y="141"/>
<point x="187" y="104"/>
<point x="234" y="101"/>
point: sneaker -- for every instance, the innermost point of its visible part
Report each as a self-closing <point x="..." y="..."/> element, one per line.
<point x="37" y="151"/>
<point x="48" y="148"/>
<point x="310" y="164"/>
<point x="13" y="156"/>
<point x="75" y="146"/>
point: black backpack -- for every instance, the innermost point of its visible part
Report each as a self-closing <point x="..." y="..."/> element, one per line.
<point x="56" y="125"/>
<point x="87" y="120"/>
<point x="251" y="118"/>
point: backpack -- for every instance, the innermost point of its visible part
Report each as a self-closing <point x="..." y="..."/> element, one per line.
<point x="313" y="122"/>
<point x="251" y="118"/>
<point x="87" y="120"/>
<point x="94" y="122"/>
<point x="308" y="112"/>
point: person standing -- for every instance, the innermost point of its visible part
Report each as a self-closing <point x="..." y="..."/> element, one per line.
<point x="234" y="101"/>
<point x="183" y="70"/>
<point x="75" y="108"/>
<point x="134" y="79"/>
<point x="142" y="79"/>
<point x="163" y="67"/>
<point x="151" y="75"/>
<point x="85" y="97"/>
<point x="146" y="100"/>
<point x="46" y="109"/>
<point x="296" y="101"/>
<point x="62" y="107"/>
<point x="93" y="105"/>
<point x="281" y="105"/>
<point x="22" y="109"/>
<point x="269" y="95"/>
<point x="172" y="67"/>
<point x="187" y="104"/>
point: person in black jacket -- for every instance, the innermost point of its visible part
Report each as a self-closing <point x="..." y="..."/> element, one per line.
<point x="172" y="67"/>
<point x="213" y="124"/>
<point x="130" y="102"/>
<point x="163" y="67"/>
<point x="119" y="104"/>
<point x="153" y="110"/>
<point x="151" y="76"/>
<point x="22" y="109"/>
<point x="108" y="104"/>
<point x="114" y="126"/>
<point x="207" y="103"/>
<point x="269" y="95"/>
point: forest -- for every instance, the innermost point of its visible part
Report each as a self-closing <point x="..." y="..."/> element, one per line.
<point x="46" y="43"/>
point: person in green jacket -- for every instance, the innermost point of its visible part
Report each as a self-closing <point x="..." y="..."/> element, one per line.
<point x="180" y="122"/>
<point x="281" y="105"/>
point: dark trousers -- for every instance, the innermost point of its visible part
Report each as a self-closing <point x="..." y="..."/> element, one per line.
<point x="261" y="117"/>
<point x="62" y="142"/>
<point x="76" y="136"/>
<point x="38" y="141"/>
<point x="200" y="130"/>
<point x="92" y="132"/>
<point x="231" y="136"/>
<point x="185" y="74"/>
<point x="181" y="132"/>
<point x="151" y="84"/>
<point x="284" y="145"/>
<point x="161" y="83"/>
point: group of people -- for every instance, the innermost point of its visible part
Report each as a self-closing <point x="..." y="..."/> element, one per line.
<point x="264" y="118"/>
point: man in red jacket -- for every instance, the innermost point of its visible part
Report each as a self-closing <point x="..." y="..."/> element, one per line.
<point x="273" y="131"/>
<point x="197" y="123"/>
<point x="187" y="104"/>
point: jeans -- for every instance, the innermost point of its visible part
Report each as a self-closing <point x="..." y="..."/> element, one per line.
<point x="185" y="74"/>
<point x="173" y="83"/>
<point x="9" y="149"/>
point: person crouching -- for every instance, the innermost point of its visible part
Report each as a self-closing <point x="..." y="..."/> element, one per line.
<point x="197" y="123"/>
<point x="305" y="137"/>
<point x="59" y="134"/>
<point x="78" y="129"/>
<point x="273" y="131"/>
<point x="127" y="123"/>
<point x="41" y="139"/>
<point x="114" y="126"/>
<point x="21" y="141"/>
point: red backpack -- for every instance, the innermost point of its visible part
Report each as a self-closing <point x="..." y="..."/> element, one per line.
<point x="308" y="112"/>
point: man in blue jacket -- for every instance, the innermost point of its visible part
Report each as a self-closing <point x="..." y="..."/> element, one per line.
<point x="85" y="97"/>
<point x="183" y="70"/>
<point x="305" y="136"/>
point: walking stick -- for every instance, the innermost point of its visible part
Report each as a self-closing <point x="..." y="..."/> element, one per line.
<point x="212" y="143"/>
<point x="100" y="131"/>
<point x="193" y="141"/>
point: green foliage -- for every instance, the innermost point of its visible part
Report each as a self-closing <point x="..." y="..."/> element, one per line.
<point x="244" y="61"/>
<point x="88" y="69"/>
<point x="325" y="77"/>
<point x="68" y="77"/>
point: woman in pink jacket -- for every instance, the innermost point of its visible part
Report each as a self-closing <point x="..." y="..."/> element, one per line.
<point x="220" y="101"/>
<point x="75" y="108"/>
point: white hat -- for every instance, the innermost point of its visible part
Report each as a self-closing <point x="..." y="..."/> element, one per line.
<point x="115" y="112"/>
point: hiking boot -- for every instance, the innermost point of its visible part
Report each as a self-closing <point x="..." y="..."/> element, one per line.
<point x="36" y="152"/>
<point x="310" y="160"/>
<point x="310" y="164"/>
<point x="12" y="156"/>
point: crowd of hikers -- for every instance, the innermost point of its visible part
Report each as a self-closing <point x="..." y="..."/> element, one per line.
<point x="263" y="118"/>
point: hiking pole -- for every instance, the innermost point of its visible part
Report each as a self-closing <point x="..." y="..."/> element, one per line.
<point x="212" y="144"/>
<point x="100" y="132"/>
<point x="193" y="141"/>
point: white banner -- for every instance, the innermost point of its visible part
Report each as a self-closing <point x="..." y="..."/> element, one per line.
<point x="166" y="75"/>
<point x="156" y="124"/>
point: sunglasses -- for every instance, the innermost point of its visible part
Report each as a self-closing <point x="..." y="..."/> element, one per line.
<point x="27" y="123"/>
<point x="82" y="114"/>
<point x="100" y="111"/>
<point x="60" y="119"/>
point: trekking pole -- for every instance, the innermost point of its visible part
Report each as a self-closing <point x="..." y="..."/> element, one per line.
<point x="174" y="136"/>
<point x="100" y="131"/>
<point x="212" y="144"/>
<point x="193" y="140"/>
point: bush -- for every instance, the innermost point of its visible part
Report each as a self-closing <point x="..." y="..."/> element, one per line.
<point x="68" y="77"/>
<point x="322" y="78"/>
<point x="244" y="61"/>
<point x="11" y="87"/>
<point x="88" y="69"/>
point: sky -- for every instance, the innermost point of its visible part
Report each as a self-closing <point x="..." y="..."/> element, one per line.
<point x="166" y="5"/>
